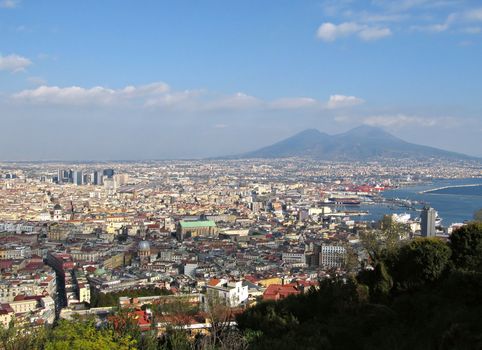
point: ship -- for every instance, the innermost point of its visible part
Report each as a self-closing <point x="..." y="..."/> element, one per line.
<point x="344" y="201"/>
<point x="401" y="218"/>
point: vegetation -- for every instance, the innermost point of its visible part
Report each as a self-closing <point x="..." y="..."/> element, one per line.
<point x="478" y="215"/>
<point x="112" y="299"/>
<point x="467" y="247"/>
<point x="423" y="294"/>
<point x="73" y="334"/>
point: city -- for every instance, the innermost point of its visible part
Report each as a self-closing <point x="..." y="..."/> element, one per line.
<point x="249" y="175"/>
<point x="242" y="230"/>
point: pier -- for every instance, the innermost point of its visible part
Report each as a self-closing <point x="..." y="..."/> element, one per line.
<point x="445" y="187"/>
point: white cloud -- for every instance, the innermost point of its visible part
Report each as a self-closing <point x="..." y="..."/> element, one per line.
<point x="10" y="4"/>
<point x="237" y="101"/>
<point x="374" y="33"/>
<point x="187" y="99"/>
<point x="342" y="101"/>
<point x="159" y="96"/>
<point x="294" y="103"/>
<point x="400" y="120"/>
<point x="330" y="32"/>
<point x="14" y="63"/>
<point x="75" y="95"/>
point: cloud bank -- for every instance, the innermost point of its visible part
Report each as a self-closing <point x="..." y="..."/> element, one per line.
<point x="160" y="95"/>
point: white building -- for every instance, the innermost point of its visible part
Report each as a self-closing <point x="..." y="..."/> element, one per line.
<point x="232" y="294"/>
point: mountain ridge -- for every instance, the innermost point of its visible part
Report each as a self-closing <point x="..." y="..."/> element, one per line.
<point x="360" y="143"/>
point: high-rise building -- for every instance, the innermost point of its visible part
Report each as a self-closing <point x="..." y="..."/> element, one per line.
<point x="109" y="173"/>
<point x="427" y="224"/>
<point x="87" y="179"/>
<point x="97" y="178"/>
<point x="77" y="177"/>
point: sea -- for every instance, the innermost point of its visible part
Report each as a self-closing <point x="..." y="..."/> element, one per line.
<point x="454" y="204"/>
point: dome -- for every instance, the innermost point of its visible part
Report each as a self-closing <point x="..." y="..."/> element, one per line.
<point x="57" y="207"/>
<point x="144" y="245"/>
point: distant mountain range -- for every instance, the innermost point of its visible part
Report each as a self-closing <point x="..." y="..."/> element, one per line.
<point x="359" y="144"/>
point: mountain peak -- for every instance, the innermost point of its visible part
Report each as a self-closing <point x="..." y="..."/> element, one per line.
<point x="362" y="143"/>
<point x="309" y="132"/>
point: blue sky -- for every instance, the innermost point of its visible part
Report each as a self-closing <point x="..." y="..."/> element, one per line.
<point x="166" y="79"/>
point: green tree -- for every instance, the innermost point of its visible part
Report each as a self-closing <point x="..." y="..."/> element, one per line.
<point x="422" y="260"/>
<point x="385" y="239"/>
<point x="83" y="335"/>
<point x="466" y="244"/>
<point x="478" y="215"/>
<point x="15" y="337"/>
<point x="382" y="282"/>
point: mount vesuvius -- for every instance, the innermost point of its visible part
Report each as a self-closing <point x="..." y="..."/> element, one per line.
<point x="359" y="144"/>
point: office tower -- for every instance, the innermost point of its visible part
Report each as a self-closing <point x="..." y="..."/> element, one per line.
<point x="87" y="179"/>
<point x="77" y="178"/>
<point x="109" y="173"/>
<point x="60" y="176"/>
<point x="97" y="178"/>
<point x="427" y="225"/>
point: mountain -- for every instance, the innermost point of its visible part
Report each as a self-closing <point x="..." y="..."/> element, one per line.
<point x="361" y="143"/>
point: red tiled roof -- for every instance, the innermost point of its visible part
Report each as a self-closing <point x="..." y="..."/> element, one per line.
<point x="213" y="282"/>
<point x="278" y="291"/>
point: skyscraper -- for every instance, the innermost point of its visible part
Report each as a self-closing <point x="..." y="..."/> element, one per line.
<point x="97" y="178"/>
<point x="427" y="225"/>
<point x="77" y="178"/>
<point x="109" y="173"/>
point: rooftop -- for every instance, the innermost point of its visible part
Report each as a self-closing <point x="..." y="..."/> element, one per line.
<point x="194" y="224"/>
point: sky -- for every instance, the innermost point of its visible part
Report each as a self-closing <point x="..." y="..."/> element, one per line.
<point x="154" y="79"/>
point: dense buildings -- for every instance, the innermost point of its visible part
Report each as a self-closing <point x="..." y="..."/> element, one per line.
<point x="232" y="231"/>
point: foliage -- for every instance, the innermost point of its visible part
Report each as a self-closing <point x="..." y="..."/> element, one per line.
<point x="15" y="337"/>
<point x="385" y="239"/>
<point x="83" y="336"/>
<point x="411" y="299"/>
<point x="478" y="215"/>
<point x="112" y="299"/>
<point x="466" y="244"/>
<point x="76" y="334"/>
<point x="425" y="294"/>
<point x="422" y="260"/>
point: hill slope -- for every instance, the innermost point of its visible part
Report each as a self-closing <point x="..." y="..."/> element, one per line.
<point x="361" y="143"/>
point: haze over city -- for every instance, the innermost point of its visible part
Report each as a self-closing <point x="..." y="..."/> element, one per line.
<point x="111" y="80"/>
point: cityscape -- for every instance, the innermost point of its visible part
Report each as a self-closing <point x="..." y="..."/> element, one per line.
<point x="242" y="230"/>
<point x="309" y="178"/>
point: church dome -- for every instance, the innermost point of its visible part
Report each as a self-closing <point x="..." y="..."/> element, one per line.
<point x="57" y="207"/>
<point x="144" y="245"/>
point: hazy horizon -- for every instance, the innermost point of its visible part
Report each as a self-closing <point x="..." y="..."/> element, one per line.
<point x="107" y="160"/>
<point x="160" y="80"/>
